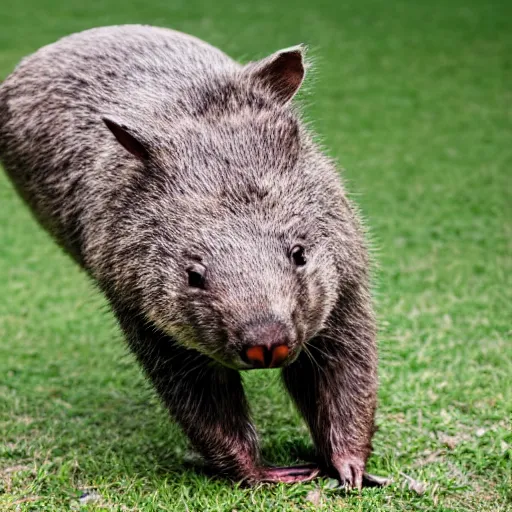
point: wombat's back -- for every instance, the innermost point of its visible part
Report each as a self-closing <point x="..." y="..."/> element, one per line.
<point x="109" y="68"/>
<point x="53" y="143"/>
<point x="56" y="96"/>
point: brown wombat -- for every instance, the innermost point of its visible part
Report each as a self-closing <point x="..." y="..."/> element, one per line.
<point x="189" y="190"/>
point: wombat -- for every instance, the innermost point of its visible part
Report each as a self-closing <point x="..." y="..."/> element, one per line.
<point x="188" y="188"/>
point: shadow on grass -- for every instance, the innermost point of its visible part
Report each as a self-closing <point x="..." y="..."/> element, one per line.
<point x="119" y="434"/>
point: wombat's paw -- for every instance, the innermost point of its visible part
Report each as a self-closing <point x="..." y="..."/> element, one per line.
<point x="289" y="475"/>
<point x="350" y="470"/>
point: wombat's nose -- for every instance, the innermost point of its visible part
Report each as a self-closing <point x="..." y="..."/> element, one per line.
<point x="263" y="357"/>
<point x="266" y="345"/>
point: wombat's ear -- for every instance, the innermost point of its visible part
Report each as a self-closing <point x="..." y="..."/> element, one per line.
<point x="282" y="72"/>
<point x="127" y="138"/>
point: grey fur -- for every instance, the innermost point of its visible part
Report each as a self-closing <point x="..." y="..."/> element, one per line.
<point x="224" y="175"/>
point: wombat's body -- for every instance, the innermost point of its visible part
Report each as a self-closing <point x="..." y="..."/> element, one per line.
<point x="188" y="189"/>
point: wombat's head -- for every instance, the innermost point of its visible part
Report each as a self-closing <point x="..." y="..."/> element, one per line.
<point x="245" y="288"/>
<point x="245" y="223"/>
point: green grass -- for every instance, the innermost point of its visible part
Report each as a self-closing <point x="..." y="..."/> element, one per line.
<point x="415" y="101"/>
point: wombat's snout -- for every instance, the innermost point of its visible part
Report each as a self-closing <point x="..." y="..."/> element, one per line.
<point x="266" y="345"/>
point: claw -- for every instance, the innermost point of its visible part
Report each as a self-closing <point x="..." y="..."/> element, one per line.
<point x="375" y="481"/>
<point x="350" y="471"/>
<point x="289" y="475"/>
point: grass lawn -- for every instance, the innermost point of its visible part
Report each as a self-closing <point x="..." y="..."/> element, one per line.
<point x="415" y="101"/>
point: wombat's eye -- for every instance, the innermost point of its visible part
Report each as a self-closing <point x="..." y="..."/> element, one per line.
<point x="298" y="255"/>
<point x="196" y="276"/>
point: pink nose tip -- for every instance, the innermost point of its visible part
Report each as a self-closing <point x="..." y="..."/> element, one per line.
<point x="279" y="355"/>
<point x="263" y="357"/>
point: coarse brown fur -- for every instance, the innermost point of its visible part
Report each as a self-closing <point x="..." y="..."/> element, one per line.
<point x="217" y="173"/>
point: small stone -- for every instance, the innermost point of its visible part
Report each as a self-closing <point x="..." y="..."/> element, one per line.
<point x="314" y="497"/>
<point x="415" y="485"/>
<point x="89" y="497"/>
<point x="449" y="441"/>
<point x="332" y="483"/>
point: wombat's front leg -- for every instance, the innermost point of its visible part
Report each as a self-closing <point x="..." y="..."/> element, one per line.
<point x="209" y="403"/>
<point x="334" y="384"/>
